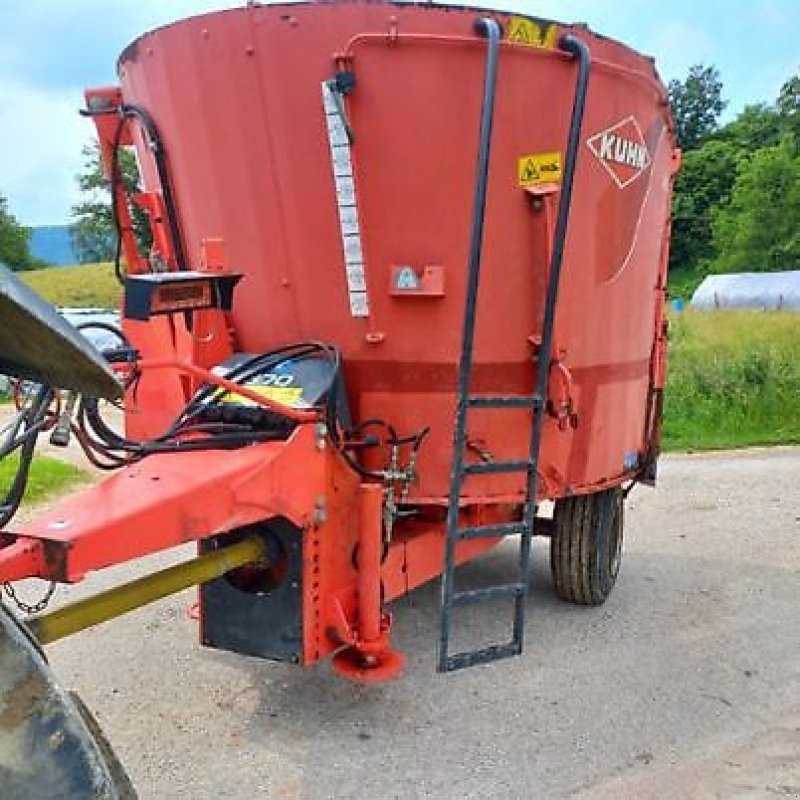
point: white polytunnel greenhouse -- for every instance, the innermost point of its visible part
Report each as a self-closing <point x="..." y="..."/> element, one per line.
<point x="762" y="291"/>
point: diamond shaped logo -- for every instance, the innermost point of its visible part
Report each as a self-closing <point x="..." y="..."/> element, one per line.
<point x="622" y="150"/>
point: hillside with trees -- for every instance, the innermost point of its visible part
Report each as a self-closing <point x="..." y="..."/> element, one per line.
<point x="737" y="197"/>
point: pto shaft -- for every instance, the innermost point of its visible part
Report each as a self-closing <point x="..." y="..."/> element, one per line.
<point x="120" y="600"/>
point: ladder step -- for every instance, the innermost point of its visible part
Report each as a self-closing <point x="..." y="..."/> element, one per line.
<point x="484" y="656"/>
<point x="512" y="401"/>
<point x="470" y="598"/>
<point x="492" y="531"/>
<point x="495" y="467"/>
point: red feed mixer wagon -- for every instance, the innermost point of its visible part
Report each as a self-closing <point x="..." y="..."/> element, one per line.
<point x="406" y="284"/>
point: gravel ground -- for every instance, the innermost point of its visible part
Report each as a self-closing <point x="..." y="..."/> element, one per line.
<point x="686" y="684"/>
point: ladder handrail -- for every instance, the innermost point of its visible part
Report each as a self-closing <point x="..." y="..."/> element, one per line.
<point x="575" y="46"/>
<point x="491" y="30"/>
<point x="570" y="44"/>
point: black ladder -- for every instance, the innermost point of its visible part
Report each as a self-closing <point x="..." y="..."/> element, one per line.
<point x="517" y="591"/>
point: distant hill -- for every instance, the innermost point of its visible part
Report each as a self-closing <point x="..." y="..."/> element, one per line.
<point x="52" y="244"/>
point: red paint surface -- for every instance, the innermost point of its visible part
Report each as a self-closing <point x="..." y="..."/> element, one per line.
<point x="236" y="96"/>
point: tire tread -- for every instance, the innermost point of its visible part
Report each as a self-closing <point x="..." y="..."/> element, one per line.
<point x="579" y="576"/>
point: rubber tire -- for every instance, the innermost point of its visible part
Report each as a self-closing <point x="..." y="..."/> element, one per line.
<point x="586" y="546"/>
<point x="122" y="783"/>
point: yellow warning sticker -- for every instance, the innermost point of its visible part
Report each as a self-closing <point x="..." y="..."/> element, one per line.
<point x="533" y="33"/>
<point x="285" y="395"/>
<point x="539" y="168"/>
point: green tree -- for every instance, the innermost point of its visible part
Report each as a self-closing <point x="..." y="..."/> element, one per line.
<point x="94" y="237"/>
<point x="789" y="107"/>
<point x="14" y="239"/>
<point x="756" y="126"/>
<point x="696" y="105"/>
<point x="705" y="181"/>
<point x="758" y="229"/>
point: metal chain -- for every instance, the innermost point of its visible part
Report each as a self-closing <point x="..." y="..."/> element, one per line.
<point x="33" y="608"/>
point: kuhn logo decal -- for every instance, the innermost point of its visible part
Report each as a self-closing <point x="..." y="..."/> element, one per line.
<point x="622" y="151"/>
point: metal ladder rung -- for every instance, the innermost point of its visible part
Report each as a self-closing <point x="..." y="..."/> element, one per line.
<point x="492" y="531"/>
<point x="493" y="652"/>
<point x="488" y="593"/>
<point x="495" y="401"/>
<point x="496" y="467"/>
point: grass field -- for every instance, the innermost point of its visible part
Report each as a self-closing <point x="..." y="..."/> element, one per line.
<point x="48" y="477"/>
<point x="734" y="380"/>
<point x="84" y="286"/>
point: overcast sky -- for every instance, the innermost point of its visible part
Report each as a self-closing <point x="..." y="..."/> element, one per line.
<point x="51" y="49"/>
